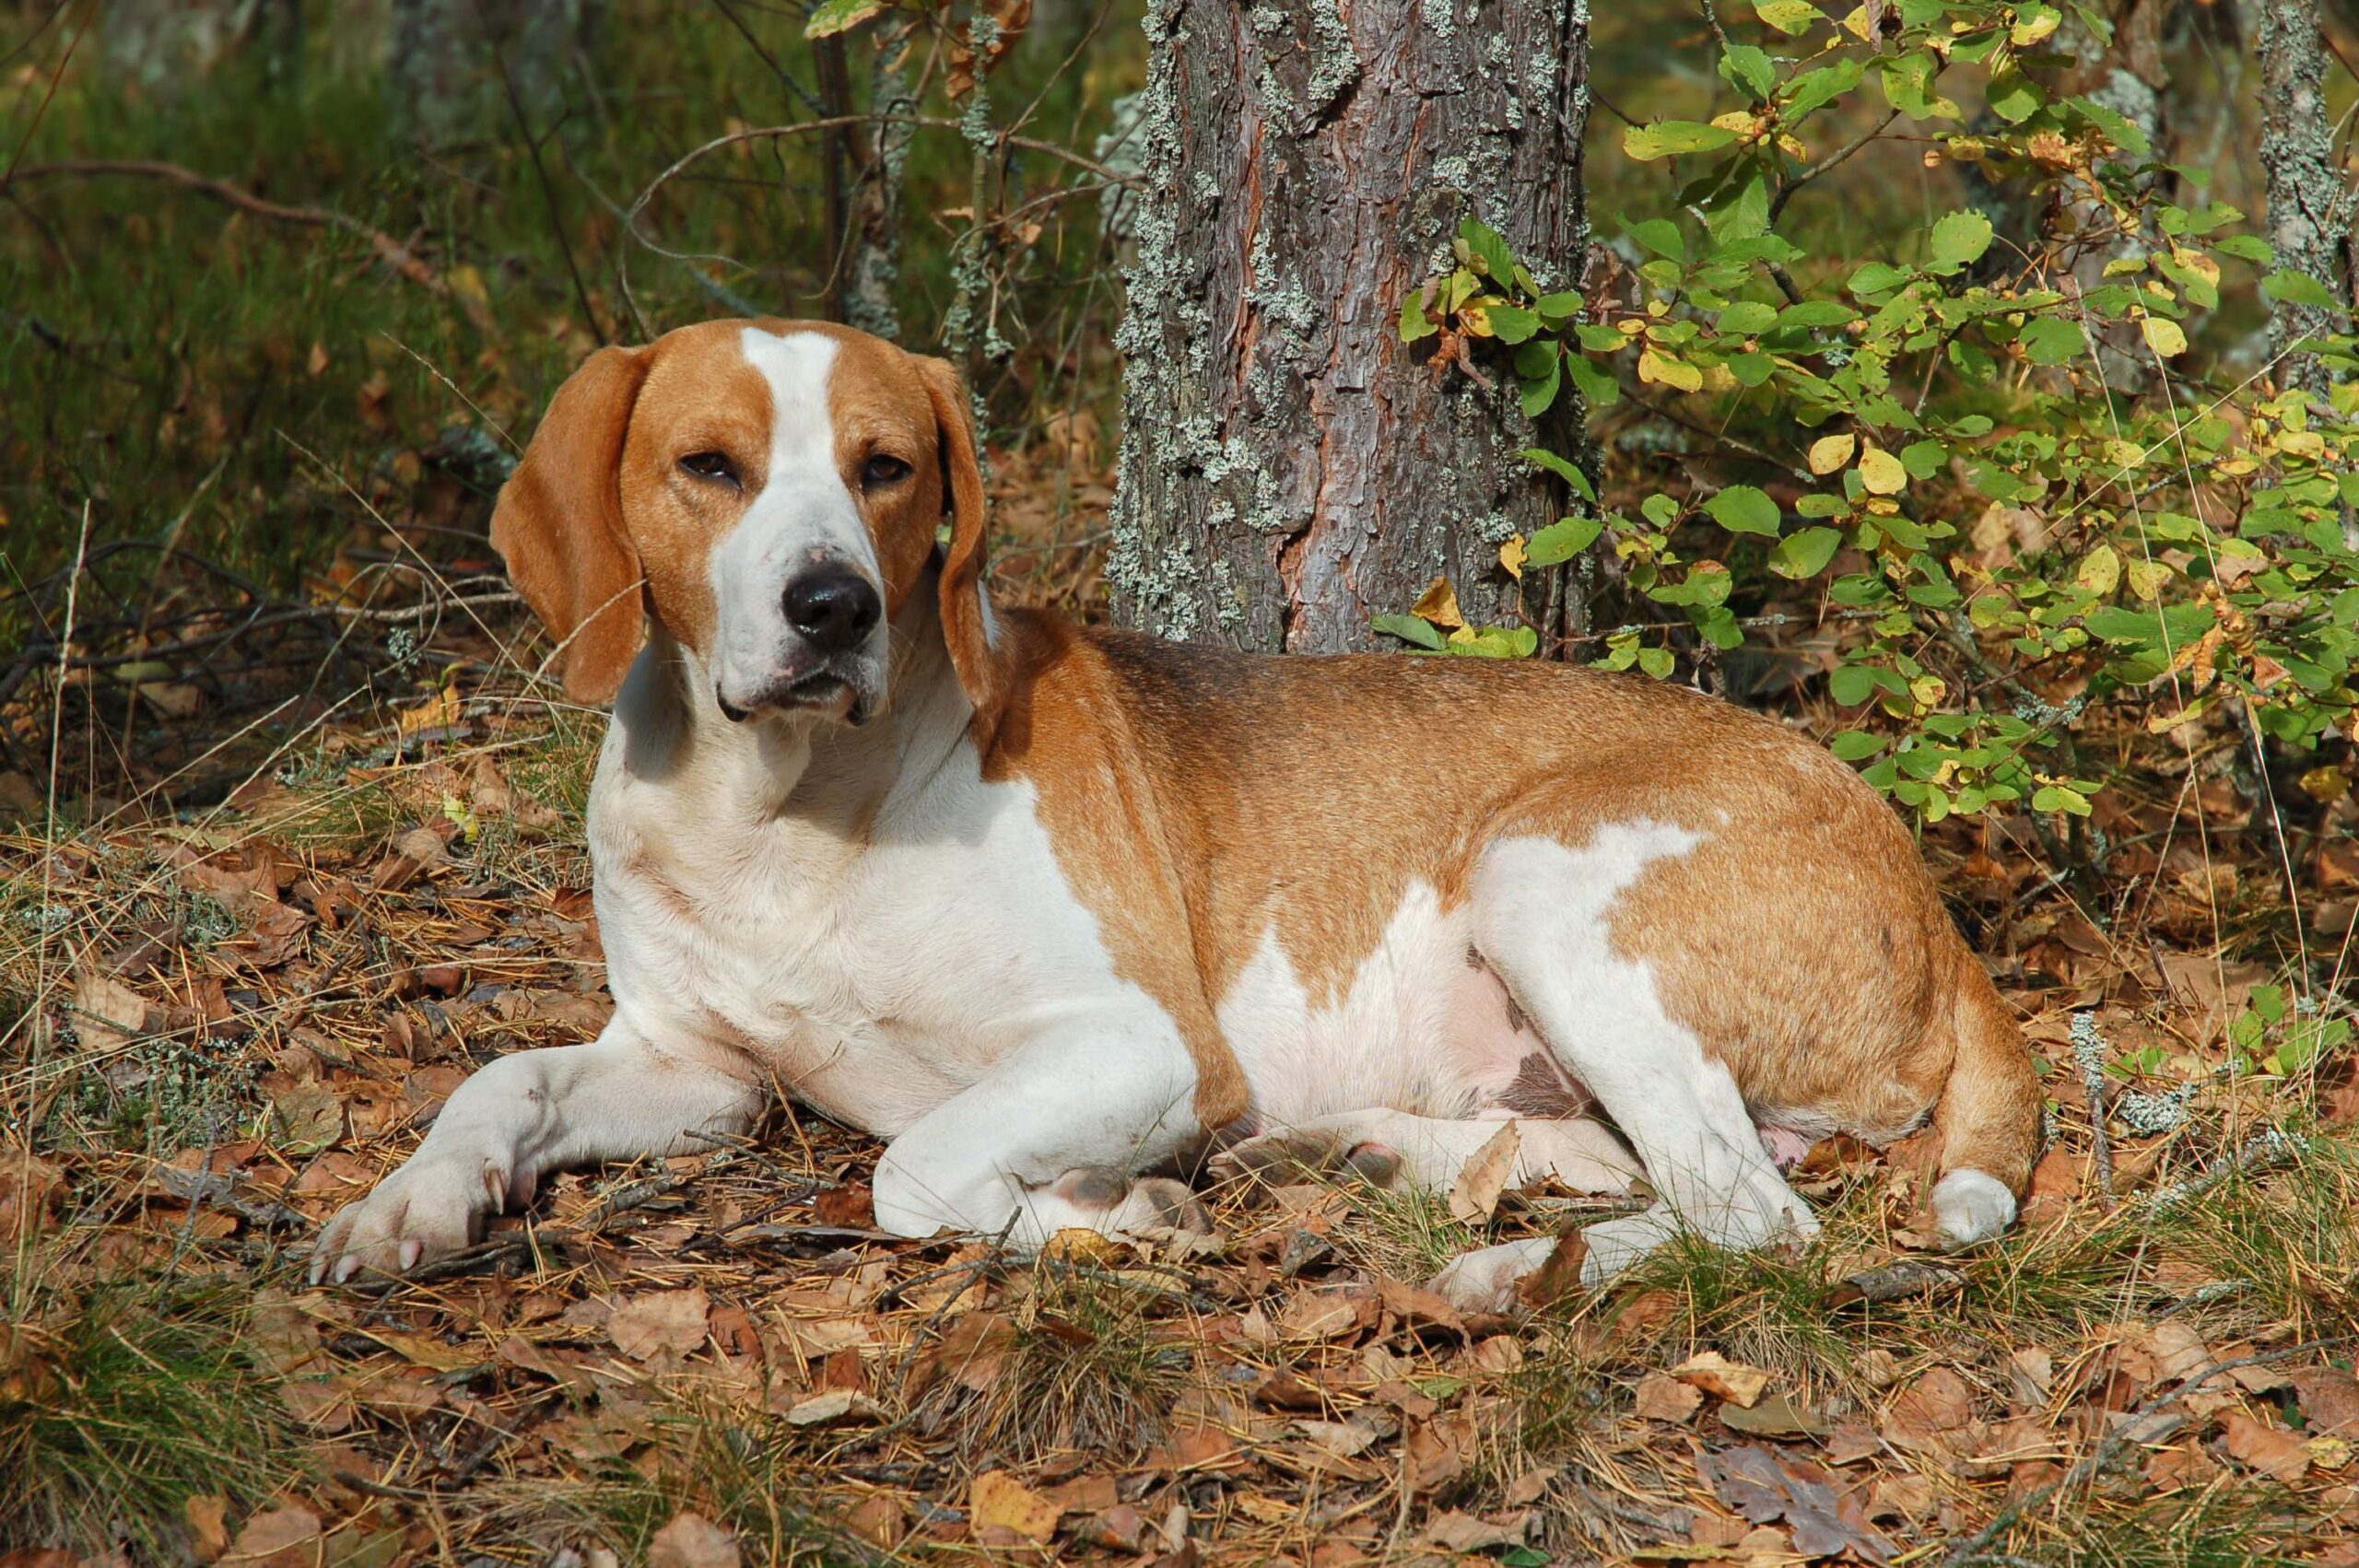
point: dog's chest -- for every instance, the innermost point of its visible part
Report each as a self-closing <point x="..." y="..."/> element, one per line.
<point x="873" y="971"/>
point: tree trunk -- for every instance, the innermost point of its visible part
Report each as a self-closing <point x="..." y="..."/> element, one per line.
<point x="2308" y="216"/>
<point x="452" y="64"/>
<point x="1289" y="467"/>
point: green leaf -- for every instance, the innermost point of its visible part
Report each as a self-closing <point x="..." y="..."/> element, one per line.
<point x="1662" y="236"/>
<point x="1923" y="459"/>
<point x="1568" y="472"/>
<point x="1598" y="387"/>
<point x="1413" y="324"/>
<point x="2056" y="798"/>
<point x="1487" y="248"/>
<point x="1512" y="323"/>
<point x="1496" y="642"/>
<point x="1852" y="746"/>
<point x="2248" y="248"/>
<point x="1537" y="394"/>
<point x="2051" y="340"/>
<point x="1805" y="554"/>
<point x="1561" y="541"/>
<point x="2121" y="132"/>
<point x="1851" y="685"/>
<point x="1792" y="18"/>
<point x="1958" y="239"/>
<point x="1656" y="661"/>
<point x="2289" y="288"/>
<point x="1741" y="509"/>
<point x="1876" y="277"/>
<point x="1747" y="317"/>
<point x="1815" y="314"/>
<point x="839" y="16"/>
<point x="1744" y="66"/>
<point x="1814" y="89"/>
<point x="1669" y="138"/>
<point x="2013" y="97"/>
<point x="1557" y="308"/>
<point x="1408" y="627"/>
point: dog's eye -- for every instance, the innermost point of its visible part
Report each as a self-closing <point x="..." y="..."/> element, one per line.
<point x="884" y="469"/>
<point x="710" y="465"/>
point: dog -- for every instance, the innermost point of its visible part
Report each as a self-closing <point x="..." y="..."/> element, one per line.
<point x="1052" y="908"/>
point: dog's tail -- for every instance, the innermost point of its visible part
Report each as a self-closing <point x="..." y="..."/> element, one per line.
<point x="1989" y="1117"/>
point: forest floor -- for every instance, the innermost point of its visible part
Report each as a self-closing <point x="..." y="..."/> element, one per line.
<point x="232" y="1018"/>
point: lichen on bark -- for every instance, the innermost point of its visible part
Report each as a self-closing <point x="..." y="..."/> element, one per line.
<point x="1289" y="467"/>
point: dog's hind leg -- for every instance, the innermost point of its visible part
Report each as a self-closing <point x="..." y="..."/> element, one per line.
<point x="1542" y="921"/>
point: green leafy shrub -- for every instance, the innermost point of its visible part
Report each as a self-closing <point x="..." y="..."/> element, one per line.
<point x="2004" y="540"/>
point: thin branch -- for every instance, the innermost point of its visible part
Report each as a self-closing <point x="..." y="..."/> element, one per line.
<point x="390" y="250"/>
<point x="1841" y="155"/>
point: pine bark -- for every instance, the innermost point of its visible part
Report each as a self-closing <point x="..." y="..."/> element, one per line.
<point x="1289" y="467"/>
<point x="2309" y="216"/>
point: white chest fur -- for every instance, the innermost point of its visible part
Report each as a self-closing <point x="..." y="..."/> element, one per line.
<point x="874" y="927"/>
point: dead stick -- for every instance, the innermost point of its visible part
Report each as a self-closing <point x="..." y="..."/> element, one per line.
<point x="390" y="250"/>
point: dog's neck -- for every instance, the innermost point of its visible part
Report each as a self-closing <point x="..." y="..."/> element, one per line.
<point x="794" y="764"/>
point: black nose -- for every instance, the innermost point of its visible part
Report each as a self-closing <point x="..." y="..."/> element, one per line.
<point x="833" y="608"/>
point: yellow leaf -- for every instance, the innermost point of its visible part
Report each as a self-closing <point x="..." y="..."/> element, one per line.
<point x="1830" y="453"/>
<point x="2100" y="571"/>
<point x="2125" y="454"/>
<point x="440" y="711"/>
<point x="1928" y="690"/>
<point x="1439" y="604"/>
<point x="1474" y="321"/>
<point x="1511" y="557"/>
<point x="999" y="1499"/>
<point x="2162" y="335"/>
<point x="1881" y="472"/>
<point x="2023" y="35"/>
<point x="1664" y="371"/>
<point x="1734" y="1381"/>
<point x="2146" y="578"/>
<point x="467" y="283"/>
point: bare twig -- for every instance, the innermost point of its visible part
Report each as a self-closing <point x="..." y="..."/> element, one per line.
<point x="391" y="252"/>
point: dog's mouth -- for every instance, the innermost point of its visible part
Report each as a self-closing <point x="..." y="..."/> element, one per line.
<point x="821" y="692"/>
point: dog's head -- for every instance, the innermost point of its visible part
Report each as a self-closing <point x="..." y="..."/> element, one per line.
<point x="770" y="492"/>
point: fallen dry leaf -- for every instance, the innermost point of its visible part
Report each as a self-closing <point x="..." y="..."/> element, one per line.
<point x="1454" y="1532"/>
<point x="1930" y="1412"/>
<point x="1663" y="1398"/>
<point x="1474" y="1196"/>
<point x="644" y="1326"/>
<point x="691" y="1540"/>
<point x="1717" y="1376"/>
<point x="2277" y="1454"/>
<point x="999" y="1501"/>
<point x="283" y="1538"/>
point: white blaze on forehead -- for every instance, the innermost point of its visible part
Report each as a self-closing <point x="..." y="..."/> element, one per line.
<point x="803" y="511"/>
<point x="796" y="365"/>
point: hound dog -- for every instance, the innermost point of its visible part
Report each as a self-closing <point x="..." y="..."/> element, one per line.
<point x="1046" y="907"/>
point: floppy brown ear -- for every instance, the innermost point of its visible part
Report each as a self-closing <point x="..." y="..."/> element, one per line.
<point x="559" y="525"/>
<point x="965" y="620"/>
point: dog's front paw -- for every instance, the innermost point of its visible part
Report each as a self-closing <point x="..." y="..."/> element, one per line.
<point x="1117" y="1203"/>
<point x="429" y="1208"/>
